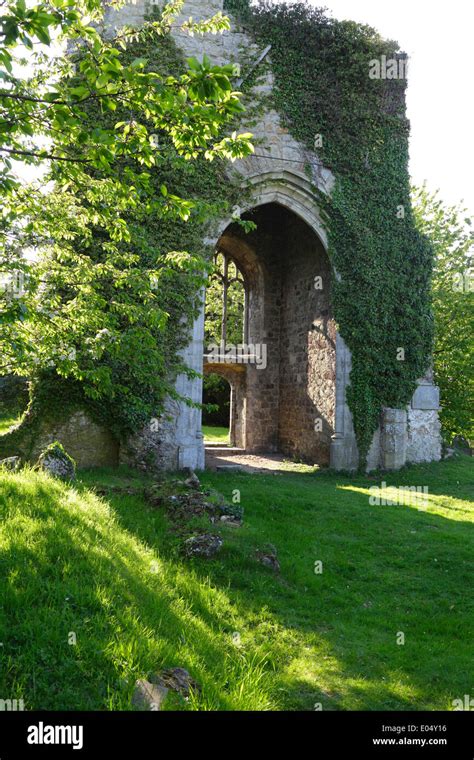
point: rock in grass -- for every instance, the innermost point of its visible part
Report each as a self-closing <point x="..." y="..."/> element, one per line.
<point x="206" y="545"/>
<point x="57" y="462"/>
<point x="233" y="514"/>
<point x="149" y="696"/>
<point x="11" y="463"/>
<point x="231" y="521"/>
<point x="193" y="480"/>
<point x="269" y="558"/>
<point x="448" y="453"/>
<point x="175" y="679"/>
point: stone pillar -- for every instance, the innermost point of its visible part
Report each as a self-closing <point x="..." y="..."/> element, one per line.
<point x="424" y="427"/>
<point x="238" y="401"/>
<point x="175" y="440"/>
<point x="189" y="437"/>
<point x="393" y="439"/>
<point x="344" y="454"/>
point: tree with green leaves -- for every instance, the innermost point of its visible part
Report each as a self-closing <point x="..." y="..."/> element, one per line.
<point x="451" y="233"/>
<point x="99" y="304"/>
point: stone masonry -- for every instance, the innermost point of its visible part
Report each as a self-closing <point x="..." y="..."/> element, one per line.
<point x="297" y="405"/>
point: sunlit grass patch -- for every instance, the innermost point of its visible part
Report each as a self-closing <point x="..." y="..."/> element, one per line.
<point x="215" y="434"/>
<point x="324" y="631"/>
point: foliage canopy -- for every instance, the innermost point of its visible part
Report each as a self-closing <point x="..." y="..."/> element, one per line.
<point x="129" y="132"/>
<point x="450" y="231"/>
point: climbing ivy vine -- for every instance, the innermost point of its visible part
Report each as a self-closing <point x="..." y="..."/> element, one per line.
<point x="327" y="99"/>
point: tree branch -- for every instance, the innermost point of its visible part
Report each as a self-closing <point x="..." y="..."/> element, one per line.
<point x="47" y="157"/>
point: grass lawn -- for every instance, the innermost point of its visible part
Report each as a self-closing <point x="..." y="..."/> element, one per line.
<point x="107" y="569"/>
<point x="215" y="434"/>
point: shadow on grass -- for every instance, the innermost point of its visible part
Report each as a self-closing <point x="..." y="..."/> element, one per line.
<point x="386" y="571"/>
<point x="69" y="568"/>
<point x="109" y="573"/>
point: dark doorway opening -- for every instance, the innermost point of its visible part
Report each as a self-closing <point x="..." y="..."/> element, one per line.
<point x="216" y="413"/>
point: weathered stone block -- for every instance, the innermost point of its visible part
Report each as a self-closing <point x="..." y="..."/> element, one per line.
<point x="393" y="439"/>
<point x="424" y="436"/>
<point x="426" y="397"/>
<point x="90" y="444"/>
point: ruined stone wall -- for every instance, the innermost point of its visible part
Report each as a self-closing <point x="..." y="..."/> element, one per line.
<point x="278" y="159"/>
<point x="90" y="444"/>
<point x="308" y="351"/>
<point x="308" y="362"/>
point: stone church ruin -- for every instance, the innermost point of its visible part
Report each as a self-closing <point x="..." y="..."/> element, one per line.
<point x="289" y="382"/>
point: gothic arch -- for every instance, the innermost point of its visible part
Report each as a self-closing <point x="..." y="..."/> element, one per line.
<point x="290" y="320"/>
<point x="291" y="190"/>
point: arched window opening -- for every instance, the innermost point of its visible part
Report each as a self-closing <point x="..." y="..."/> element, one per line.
<point x="226" y="303"/>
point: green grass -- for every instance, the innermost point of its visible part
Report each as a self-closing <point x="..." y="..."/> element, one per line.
<point x="215" y="434"/>
<point x="108" y="570"/>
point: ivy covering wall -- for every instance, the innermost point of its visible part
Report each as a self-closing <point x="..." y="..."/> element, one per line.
<point x="326" y="98"/>
<point x="382" y="290"/>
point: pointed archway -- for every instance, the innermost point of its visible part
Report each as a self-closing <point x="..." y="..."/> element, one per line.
<point x="286" y="371"/>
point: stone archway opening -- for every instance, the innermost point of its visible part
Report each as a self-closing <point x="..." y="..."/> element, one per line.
<point x="226" y="325"/>
<point x="283" y="370"/>
<point x="216" y="415"/>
